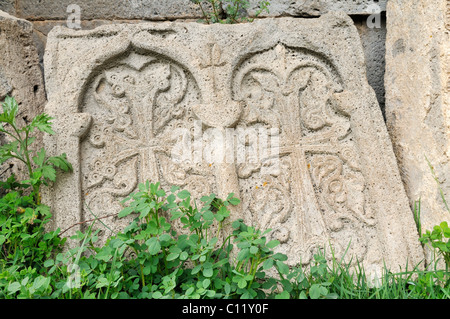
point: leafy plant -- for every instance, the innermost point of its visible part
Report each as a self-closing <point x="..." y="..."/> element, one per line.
<point x="416" y="215"/>
<point x="23" y="238"/>
<point x="149" y="259"/>
<point x="438" y="240"/>
<point x="232" y="10"/>
<point x="204" y="246"/>
<point x="41" y="169"/>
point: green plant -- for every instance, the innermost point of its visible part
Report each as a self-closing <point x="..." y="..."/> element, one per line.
<point x="204" y="246"/>
<point x="438" y="240"/>
<point x="23" y="239"/>
<point x="441" y="192"/>
<point x="149" y="259"/>
<point x="416" y="215"/>
<point x="232" y="10"/>
<point x="255" y="257"/>
<point x="41" y="169"/>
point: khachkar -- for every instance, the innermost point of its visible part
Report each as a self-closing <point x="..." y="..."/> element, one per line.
<point x="324" y="170"/>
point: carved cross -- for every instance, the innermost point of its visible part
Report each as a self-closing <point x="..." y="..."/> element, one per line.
<point x="213" y="61"/>
<point x="283" y="81"/>
<point x="138" y="134"/>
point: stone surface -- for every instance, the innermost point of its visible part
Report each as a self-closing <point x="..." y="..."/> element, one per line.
<point x="417" y="100"/>
<point x="373" y="40"/>
<point x="176" y="9"/>
<point x="306" y="8"/>
<point x="107" y="9"/>
<point x="306" y="148"/>
<point x="47" y="14"/>
<point x="5" y="86"/>
<point x="8" y="6"/>
<point x="42" y="28"/>
<point x="20" y="76"/>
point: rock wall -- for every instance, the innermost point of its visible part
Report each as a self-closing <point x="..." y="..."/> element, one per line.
<point x="49" y="13"/>
<point x="20" y="76"/>
<point x="314" y="8"/>
<point x="417" y="100"/>
<point x="178" y="9"/>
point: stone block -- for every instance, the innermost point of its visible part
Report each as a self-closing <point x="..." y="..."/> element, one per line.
<point x="278" y="112"/>
<point x="373" y="41"/>
<point x="20" y="76"/>
<point x="5" y="86"/>
<point x="108" y="10"/>
<point x="8" y="6"/>
<point x="417" y="100"/>
<point x="311" y="8"/>
<point x="183" y="9"/>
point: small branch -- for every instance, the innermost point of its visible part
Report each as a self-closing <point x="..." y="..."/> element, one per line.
<point x="204" y="14"/>
<point x="87" y="221"/>
<point x="214" y="9"/>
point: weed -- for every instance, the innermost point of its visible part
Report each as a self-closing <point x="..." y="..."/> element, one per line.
<point x="22" y="215"/>
<point x="437" y="240"/>
<point x="233" y="10"/>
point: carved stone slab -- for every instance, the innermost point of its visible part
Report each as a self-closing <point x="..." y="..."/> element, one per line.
<point x="418" y="100"/>
<point x="324" y="170"/>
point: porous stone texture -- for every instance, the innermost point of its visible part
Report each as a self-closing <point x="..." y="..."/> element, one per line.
<point x="417" y="100"/>
<point x="306" y="148"/>
<point x="20" y="77"/>
<point x="5" y="86"/>
<point x="47" y="14"/>
<point x="176" y="9"/>
<point x="109" y="9"/>
<point x="8" y="6"/>
<point x="373" y="39"/>
<point x="307" y="8"/>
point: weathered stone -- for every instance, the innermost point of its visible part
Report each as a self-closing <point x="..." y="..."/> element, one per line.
<point x="20" y="75"/>
<point x="109" y="9"/>
<point x="5" y="86"/>
<point x="8" y="6"/>
<point x="317" y="7"/>
<point x="176" y="9"/>
<point x="312" y="159"/>
<point x="42" y="28"/>
<point x="373" y="40"/>
<point x="372" y="37"/>
<point x="417" y="100"/>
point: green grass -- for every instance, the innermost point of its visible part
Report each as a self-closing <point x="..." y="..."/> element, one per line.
<point x="351" y="282"/>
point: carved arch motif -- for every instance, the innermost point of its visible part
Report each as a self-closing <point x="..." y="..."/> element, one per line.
<point x="318" y="193"/>
<point x="137" y="101"/>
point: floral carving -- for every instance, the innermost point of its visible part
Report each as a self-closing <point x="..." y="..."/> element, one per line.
<point x="136" y="105"/>
<point x="321" y="187"/>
